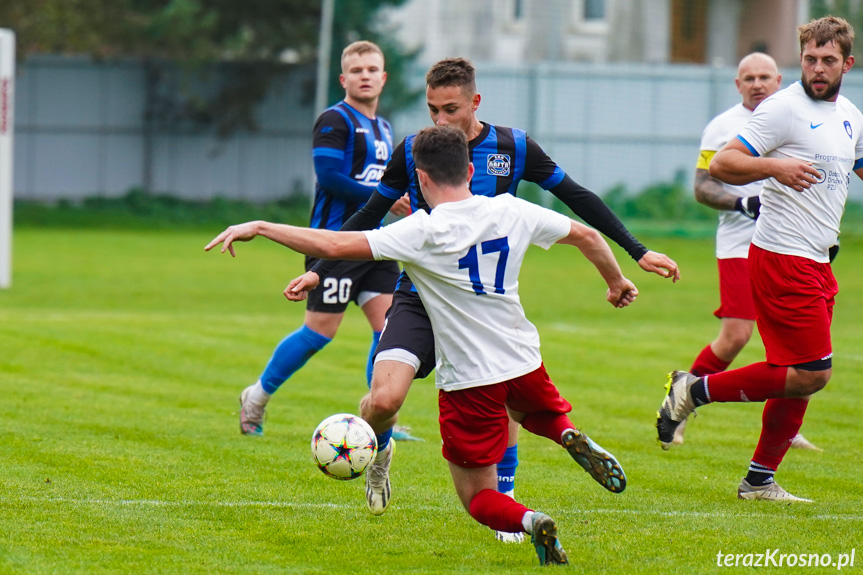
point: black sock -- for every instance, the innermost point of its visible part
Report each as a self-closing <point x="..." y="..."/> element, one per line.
<point x="699" y="393"/>
<point x="759" y="475"/>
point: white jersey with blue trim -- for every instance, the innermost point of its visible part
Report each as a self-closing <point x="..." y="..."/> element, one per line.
<point x="790" y="124"/>
<point x="464" y="259"/>
<point x="734" y="233"/>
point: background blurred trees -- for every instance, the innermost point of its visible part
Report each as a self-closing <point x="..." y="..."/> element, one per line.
<point x="848" y="9"/>
<point x="183" y="42"/>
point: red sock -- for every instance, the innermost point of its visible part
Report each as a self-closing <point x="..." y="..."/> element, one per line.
<point x="756" y="382"/>
<point x="547" y="424"/>
<point x="707" y="363"/>
<point x="498" y="511"/>
<point x="780" y="422"/>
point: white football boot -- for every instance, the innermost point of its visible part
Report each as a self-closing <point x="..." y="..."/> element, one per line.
<point x="378" y="488"/>
<point x="769" y="492"/>
<point x="252" y="411"/>
<point x="800" y="442"/>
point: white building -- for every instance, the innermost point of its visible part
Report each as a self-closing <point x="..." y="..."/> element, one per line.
<point x="716" y="32"/>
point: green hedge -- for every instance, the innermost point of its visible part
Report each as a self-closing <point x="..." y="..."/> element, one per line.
<point x="138" y="209"/>
<point x="666" y="208"/>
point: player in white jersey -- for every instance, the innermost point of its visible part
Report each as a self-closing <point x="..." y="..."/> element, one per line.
<point x="464" y="259"/>
<point x="803" y="142"/>
<point x="757" y="79"/>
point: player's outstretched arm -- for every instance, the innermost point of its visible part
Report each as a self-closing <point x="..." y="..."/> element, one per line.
<point x="317" y="243"/>
<point x="621" y="292"/>
<point x="366" y="218"/>
<point x="590" y="207"/>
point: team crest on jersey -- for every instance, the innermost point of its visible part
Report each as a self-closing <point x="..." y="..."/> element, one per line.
<point x="498" y="165"/>
<point x="848" y="129"/>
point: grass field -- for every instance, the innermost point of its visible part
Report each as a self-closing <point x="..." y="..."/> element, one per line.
<point x="122" y="354"/>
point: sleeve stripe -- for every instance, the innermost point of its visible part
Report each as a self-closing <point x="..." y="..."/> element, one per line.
<point x="389" y="192"/>
<point x="328" y="153"/>
<point x="748" y="146"/>
<point x="553" y="180"/>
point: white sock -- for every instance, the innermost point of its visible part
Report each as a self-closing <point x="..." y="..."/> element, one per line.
<point x="510" y="493"/>
<point x="527" y="521"/>
<point x="258" y="396"/>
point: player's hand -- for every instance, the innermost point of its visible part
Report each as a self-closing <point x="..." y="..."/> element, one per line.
<point x="299" y="288"/>
<point x="238" y="233"/>
<point x="660" y="264"/>
<point x="798" y="175"/>
<point x="621" y="293"/>
<point x="402" y="207"/>
<point x="749" y="207"/>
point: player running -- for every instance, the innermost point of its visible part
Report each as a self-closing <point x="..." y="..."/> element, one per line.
<point x="464" y="259"/>
<point x="351" y="148"/>
<point x="503" y="158"/>
<point x="757" y="79"/>
<point x="804" y="142"/>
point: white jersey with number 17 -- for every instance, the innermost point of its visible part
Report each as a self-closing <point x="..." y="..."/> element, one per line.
<point x="464" y="259"/>
<point x="790" y="124"/>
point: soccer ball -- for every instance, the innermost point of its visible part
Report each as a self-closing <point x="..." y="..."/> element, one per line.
<point x="343" y="445"/>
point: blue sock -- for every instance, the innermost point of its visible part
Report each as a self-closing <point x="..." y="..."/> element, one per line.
<point x="506" y="470"/>
<point x="370" y="366"/>
<point x="384" y="439"/>
<point x="291" y="354"/>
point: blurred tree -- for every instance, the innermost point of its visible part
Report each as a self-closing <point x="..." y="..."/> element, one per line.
<point x="353" y="23"/>
<point x="183" y="42"/>
<point x="851" y="10"/>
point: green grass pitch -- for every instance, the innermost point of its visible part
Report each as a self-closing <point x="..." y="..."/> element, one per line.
<point x="122" y="354"/>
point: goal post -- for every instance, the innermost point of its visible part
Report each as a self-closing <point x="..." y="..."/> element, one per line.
<point x="7" y="92"/>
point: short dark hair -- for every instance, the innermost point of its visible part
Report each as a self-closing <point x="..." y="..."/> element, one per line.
<point x="453" y="72"/>
<point x="442" y="153"/>
<point x="827" y="29"/>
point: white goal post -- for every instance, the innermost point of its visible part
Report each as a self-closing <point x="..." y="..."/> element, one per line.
<point x="7" y="101"/>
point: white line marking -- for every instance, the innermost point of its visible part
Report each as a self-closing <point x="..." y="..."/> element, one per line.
<point x="288" y="504"/>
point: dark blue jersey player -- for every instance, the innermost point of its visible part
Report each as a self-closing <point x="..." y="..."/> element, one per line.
<point x="351" y="151"/>
<point x="351" y="147"/>
<point x="502" y="157"/>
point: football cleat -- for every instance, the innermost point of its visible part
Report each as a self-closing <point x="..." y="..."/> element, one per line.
<point x="600" y="464"/>
<point x="676" y="406"/>
<point x="403" y="433"/>
<point x="800" y="442"/>
<point x="378" y="488"/>
<point x="544" y="539"/>
<point x="507" y="537"/>
<point x="251" y="414"/>
<point x="769" y="492"/>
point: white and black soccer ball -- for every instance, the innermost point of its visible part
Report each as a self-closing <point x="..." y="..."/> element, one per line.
<point x="343" y="445"/>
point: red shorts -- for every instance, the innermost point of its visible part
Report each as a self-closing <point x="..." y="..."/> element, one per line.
<point x="473" y="421"/>
<point x="735" y="290"/>
<point x="794" y="299"/>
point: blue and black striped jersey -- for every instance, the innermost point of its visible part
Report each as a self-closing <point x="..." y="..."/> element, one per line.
<point x="502" y="157"/>
<point x="360" y="147"/>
